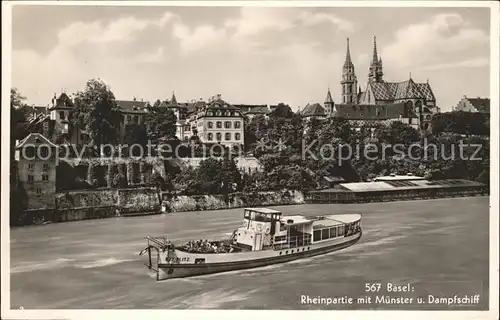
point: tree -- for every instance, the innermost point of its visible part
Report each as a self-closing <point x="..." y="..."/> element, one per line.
<point x="281" y="111"/>
<point x="254" y="130"/>
<point x="160" y="124"/>
<point x="467" y="123"/>
<point x="119" y="180"/>
<point x="18" y="114"/>
<point x="95" y="110"/>
<point x="157" y="103"/>
<point x="135" y="134"/>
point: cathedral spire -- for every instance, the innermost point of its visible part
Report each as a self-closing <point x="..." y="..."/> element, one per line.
<point x="348" y="61"/>
<point x="375" y="55"/>
<point x="349" y="81"/>
<point x="375" y="74"/>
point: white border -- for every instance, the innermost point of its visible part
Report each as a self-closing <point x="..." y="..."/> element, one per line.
<point x="162" y="314"/>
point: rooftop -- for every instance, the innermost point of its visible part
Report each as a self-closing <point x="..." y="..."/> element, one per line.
<point x="263" y="210"/>
<point x="295" y="219"/>
<point x="398" y="177"/>
<point x="392" y="185"/>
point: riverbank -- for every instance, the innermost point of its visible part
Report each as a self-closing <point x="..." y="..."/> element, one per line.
<point x="142" y="201"/>
<point x="108" y="203"/>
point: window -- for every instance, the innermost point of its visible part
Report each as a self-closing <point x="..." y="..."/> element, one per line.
<point x="129" y="118"/>
<point x="45" y="167"/>
<point x="218" y="113"/>
<point x="136" y="119"/>
<point x="218" y="136"/>
<point x="210" y="136"/>
<point x="341" y="231"/>
<point x="30" y="178"/>
<point x="237" y="125"/>
<point x="228" y="136"/>
<point x="317" y="235"/>
<point x="38" y="191"/>
<point x="44" y="152"/>
<point x="31" y="166"/>
<point x="325" y="234"/>
<point x="210" y="114"/>
<point x="333" y="232"/>
<point x="210" y="124"/>
<point x="237" y="136"/>
<point x="218" y="124"/>
<point x="227" y="124"/>
<point x="45" y="177"/>
<point x="62" y="115"/>
<point x="187" y="128"/>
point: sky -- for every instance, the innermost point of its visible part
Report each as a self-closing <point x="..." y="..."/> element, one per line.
<point x="249" y="55"/>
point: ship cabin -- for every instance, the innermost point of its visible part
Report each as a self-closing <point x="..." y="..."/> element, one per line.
<point x="258" y="230"/>
<point x="265" y="229"/>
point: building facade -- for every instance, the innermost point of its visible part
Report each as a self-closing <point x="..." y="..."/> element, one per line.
<point x="219" y="122"/>
<point x="466" y="104"/>
<point x="36" y="164"/>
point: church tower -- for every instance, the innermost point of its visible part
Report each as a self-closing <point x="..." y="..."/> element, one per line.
<point x="329" y="104"/>
<point x="349" y="81"/>
<point x="375" y="74"/>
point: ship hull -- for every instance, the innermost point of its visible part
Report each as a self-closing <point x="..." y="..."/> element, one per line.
<point x="183" y="270"/>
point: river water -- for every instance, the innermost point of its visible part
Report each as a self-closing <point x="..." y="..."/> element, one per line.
<point x="439" y="246"/>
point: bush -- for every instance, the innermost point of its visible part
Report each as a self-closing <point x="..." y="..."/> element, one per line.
<point x="119" y="181"/>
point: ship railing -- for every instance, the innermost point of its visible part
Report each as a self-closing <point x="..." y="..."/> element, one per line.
<point x="158" y="242"/>
<point x="294" y="242"/>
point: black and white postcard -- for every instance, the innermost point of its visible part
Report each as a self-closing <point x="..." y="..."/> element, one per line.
<point x="179" y="158"/>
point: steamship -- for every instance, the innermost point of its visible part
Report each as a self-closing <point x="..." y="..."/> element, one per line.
<point x="265" y="237"/>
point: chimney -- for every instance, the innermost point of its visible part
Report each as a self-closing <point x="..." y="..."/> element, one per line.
<point x="135" y="99"/>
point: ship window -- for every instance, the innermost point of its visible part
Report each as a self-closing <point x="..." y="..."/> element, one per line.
<point x="282" y="227"/>
<point x="333" y="232"/>
<point x="317" y="235"/>
<point x="325" y="234"/>
<point x="286" y="252"/>
<point x="341" y="231"/>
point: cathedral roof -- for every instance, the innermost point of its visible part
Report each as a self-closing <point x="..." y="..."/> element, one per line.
<point x="408" y="90"/>
<point x="314" y="109"/>
<point x="390" y="91"/>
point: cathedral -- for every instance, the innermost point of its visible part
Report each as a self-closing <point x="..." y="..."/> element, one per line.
<point x="382" y="101"/>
